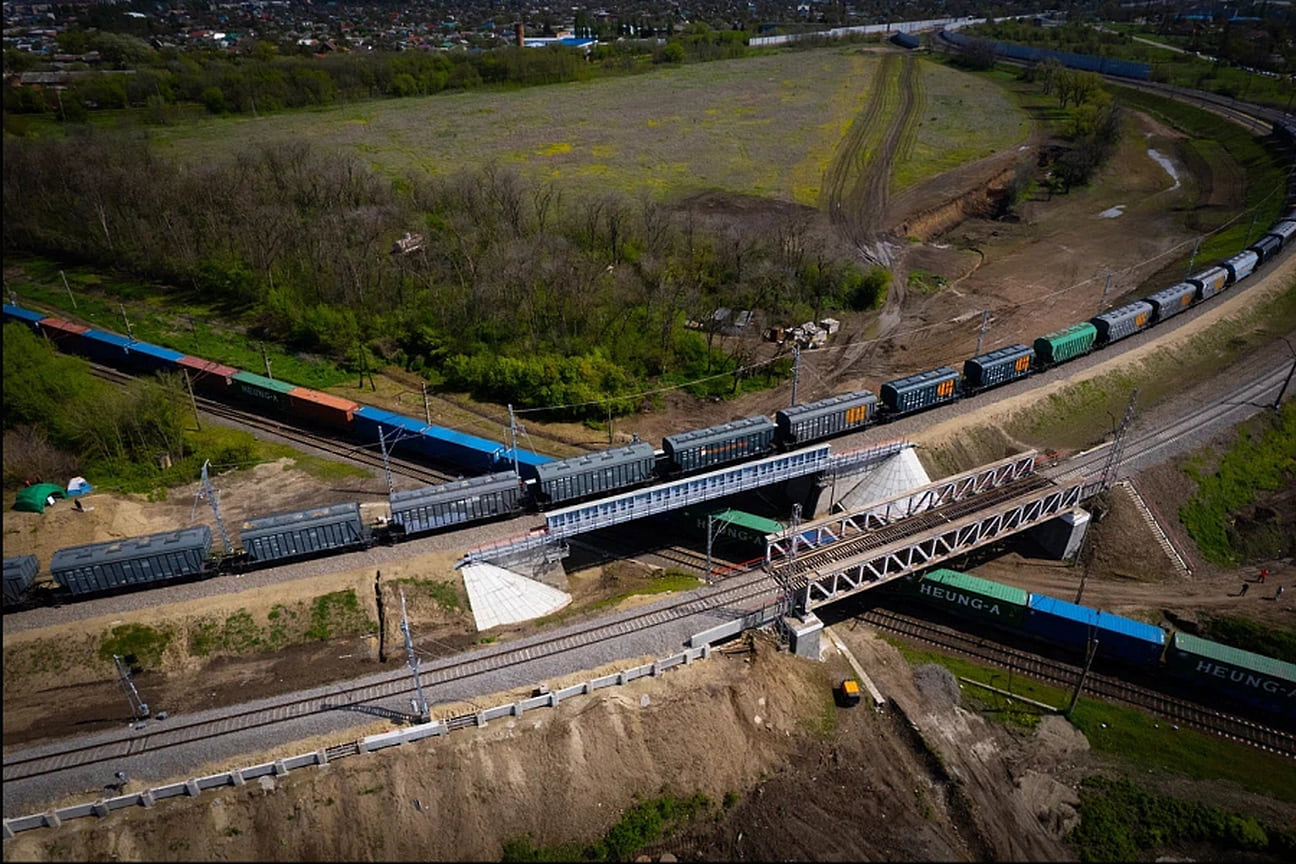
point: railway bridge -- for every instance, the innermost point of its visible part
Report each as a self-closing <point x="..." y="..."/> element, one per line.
<point x="844" y="554"/>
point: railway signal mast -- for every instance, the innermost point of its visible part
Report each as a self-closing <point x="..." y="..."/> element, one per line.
<point x="420" y="705"/>
<point x="1118" y="444"/>
<point x="139" y="708"/>
<point x="210" y="494"/>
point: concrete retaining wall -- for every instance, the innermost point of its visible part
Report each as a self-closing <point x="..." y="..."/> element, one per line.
<point x="369" y="744"/>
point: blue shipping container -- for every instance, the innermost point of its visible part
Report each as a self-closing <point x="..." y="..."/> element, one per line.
<point x="152" y="358"/>
<point x="1118" y="637"/>
<point x="23" y="316"/>
<point x="104" y="347"/>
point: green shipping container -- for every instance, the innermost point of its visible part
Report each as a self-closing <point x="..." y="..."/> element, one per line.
<point x="1216" y="665"/>
<point x="737" y="525"/>
<point x="259" y="390"/>
<point x="970" y="596"/>
<point x="1066" y="344"/>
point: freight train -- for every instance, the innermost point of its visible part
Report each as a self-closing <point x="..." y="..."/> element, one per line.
<point x="1122" y="643"/>
<point x="518" y="480"/>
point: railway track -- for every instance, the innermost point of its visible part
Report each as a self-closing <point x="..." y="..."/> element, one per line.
<point x="1141" y="444"/>
<point x="1176" y="710"/>
<point x="827" y="556"/>
<point x="340" y="449"/>
<point x="738" y="592"/>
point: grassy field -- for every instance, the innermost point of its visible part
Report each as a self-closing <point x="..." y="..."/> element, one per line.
<point x="764" y="126"/>
<point x="952" y="129"/>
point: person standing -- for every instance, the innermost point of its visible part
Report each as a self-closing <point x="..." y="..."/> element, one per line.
<point x="1245" y="587"/>
<point x="1264" y="574"/>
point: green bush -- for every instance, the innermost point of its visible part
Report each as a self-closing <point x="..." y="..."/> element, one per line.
<point x="1120" y="821"/>
<point x="146" y="643"/>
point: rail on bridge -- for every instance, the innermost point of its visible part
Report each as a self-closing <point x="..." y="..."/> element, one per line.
<point x="857" y="564"/>
<point x="628" y="506"/>
<point x="839" y="526"/>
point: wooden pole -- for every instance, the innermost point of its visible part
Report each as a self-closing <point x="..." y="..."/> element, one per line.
<point x="192" y="401"/>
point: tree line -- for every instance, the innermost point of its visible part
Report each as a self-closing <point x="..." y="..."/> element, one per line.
<point x="520" y="289"/>
<point x="59" y="420"/>
<point x="261" y="80"/>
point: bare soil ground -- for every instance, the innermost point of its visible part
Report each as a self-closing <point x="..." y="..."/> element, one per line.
<point x="790" y="775"/>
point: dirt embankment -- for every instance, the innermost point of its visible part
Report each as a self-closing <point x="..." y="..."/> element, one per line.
<point x="834" y="782"/>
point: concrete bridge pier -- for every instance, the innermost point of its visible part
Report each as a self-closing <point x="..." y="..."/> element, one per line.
<point x="804" y="634"/>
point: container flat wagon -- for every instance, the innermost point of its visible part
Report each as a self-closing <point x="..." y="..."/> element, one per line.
<point x="107" y="348"/>
<point x="31" y="320"/>
<point x="826" y="417"/>
<point x="1118" y="638"/>
<point x="261" y="392"/>
<point x="302" y="533"/>
<point x="144" y="357"/>
<point x="1247" y="677"/>
<point x="477" y="498"/>
<point x="323" y="408"/>
<point x="207" y="376"/>
<point x="969" y="597"/>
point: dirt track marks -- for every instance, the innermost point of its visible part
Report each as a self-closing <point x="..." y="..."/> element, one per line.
<point x="859" y="178"/>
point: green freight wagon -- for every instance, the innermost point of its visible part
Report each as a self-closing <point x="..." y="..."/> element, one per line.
<point x="970" y="596"/>
<point x="1065" y="344"/>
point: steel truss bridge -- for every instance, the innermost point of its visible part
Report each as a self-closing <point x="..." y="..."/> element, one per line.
<point x="628" y="506"/>
<point x="838" y="556"/>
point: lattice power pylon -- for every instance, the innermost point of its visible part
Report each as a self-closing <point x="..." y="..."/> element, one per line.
<point x="1118" y="444"/>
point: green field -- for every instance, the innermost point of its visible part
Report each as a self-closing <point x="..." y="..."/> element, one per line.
<point x="764" y="126"/>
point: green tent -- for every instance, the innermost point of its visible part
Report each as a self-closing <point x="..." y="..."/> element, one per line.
<point x="31" y="499"/>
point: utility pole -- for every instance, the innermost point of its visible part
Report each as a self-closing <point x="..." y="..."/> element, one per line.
<point x="796" y="371"/>
<point x="711" y="535"/>
<point x="513" y="438"/>
<point x="985" y="319"/>
<point x="382" y="445"/>
<point x="122" y="309"/>
<point x="609" y="407"/>
<point x="427" y="409"/>
<point x="1192" y="259"/>
<point x="789" y="602"/>
<point x="139" y="708"/>
<point x="69" y="290"/>
<point x="193" y="331"/>
<point x="1093" y="649"/>
<point x="1118" y="444"/>
<point x="266" y="359"/>
<point x="1250" y="228"/>
<point x="420" y="706"/>
<point x="1102" y="304"/>
<point x="1278" y="399"/>
<point x="193" y="403"/>
<point x="211" y="498"/>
